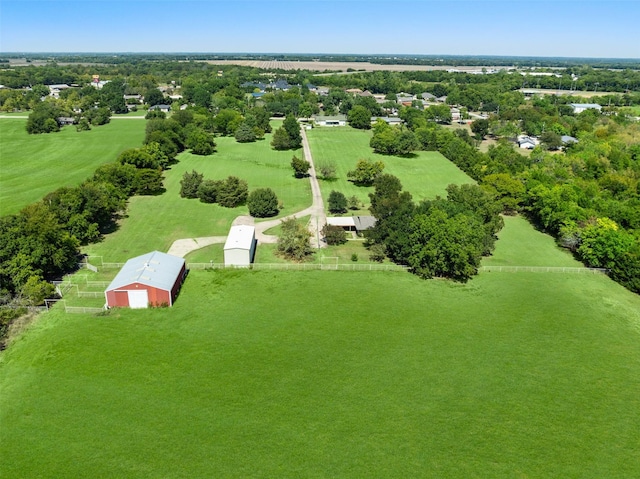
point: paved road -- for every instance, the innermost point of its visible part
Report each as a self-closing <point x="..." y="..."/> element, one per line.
<point x="318" y="218"/>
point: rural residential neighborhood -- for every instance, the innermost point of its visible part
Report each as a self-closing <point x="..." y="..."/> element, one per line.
<point x="377" y="261"/>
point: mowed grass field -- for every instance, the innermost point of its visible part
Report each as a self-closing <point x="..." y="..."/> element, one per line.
<point x="155" y="222"/>
<point x="333" y="374"/>
<point x="425" y="175"/>
<point x="327" y="373"/>
<point x="31" y="166"/>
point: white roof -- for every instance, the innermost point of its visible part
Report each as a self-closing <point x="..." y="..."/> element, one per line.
<point x="340" y="221"/>
<point x="240" y="237"/>
<point x="156" y="269"/>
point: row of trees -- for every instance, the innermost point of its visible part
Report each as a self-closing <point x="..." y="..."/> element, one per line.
<point x="436" y="238"/>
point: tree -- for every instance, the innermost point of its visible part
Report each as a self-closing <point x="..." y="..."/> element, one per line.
<point x="280" y="140"/>
<point x="359" y="117"/>
<point x="153" y="97"/>
<point x="227" y="121"/>
<point x="445" y="246"/>
<point x="138" y="158"/>
<point x="405" y="142"/>
<point x="551" y="140"/>
<point x="200" y="142"/>
<point x="190" y="183"/>
<point x="245" y="133"/>
<point x="232" y="192"/>
<point x="353" y="202"/>
<point x="290" y="124"/>
<point x="507" y="190"/>
<point x="337" y="202"/>
<point x="327" y="170"/>
<point x="208" y="190"/>
<point x="294" y="240"/>
<point x="334" y="235"/>
<point x="603" y="242"/>
<point x="262" y="203"/>
<point x="43" y="118"/>
<point x="300" y="167"/>
<point x="366" y="172"/>
<point x="98" y="116"/>
<point x="480" y="128"/>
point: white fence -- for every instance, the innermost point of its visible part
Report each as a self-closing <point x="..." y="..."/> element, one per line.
<point x="303" y="266"/>
<point x="541" y="269"/>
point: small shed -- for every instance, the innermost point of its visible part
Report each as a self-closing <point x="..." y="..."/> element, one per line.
<point x="152" y="279"/>
<point x="240" y="247"/>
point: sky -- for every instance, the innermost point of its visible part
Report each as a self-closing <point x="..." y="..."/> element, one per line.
<point x="562" y="28"/>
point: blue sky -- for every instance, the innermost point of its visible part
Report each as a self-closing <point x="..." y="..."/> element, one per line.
<point x="455" y="27"/>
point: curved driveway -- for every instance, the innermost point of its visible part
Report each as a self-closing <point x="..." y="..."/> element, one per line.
<point x="317" y="221"/>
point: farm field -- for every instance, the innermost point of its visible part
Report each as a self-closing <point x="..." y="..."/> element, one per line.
<point x="154" y="222"/>
<point x="32" y="166"/>
<point x="287" y="374"/>
<point x="424" y="176"/>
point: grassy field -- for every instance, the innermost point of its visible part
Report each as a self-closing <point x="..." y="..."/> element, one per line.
<point x="519" y="244"/>
<point x="154" y="222"/>
<point x="424" y="176"/>
<point x="281" y="374"/>
<point x="326" y="373"/>
<point x="33" y="165"/>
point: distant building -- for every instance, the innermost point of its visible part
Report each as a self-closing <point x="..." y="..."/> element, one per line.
<point x="527" y="142"/>
<point x="580" y="107"/>
<point x="357" y="224"/>
<point x="337" y="120"/>
<point x="390" y="120"/>
<point x="163" y="108"/>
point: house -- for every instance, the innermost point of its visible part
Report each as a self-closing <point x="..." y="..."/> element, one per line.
<point x="337" y="120"/>
<point x="580" y="107"/>
<point x="354" y="91"/>
<point x="163" y="108"/>
<point x="357" y="224"/>
<point x="568" y="140"/>
<point x="527" y="142"/>
<point x="152" y="279"/>
<point x="455" y="114"/>
<point x="322" y="91"/>
<point x="428" y="96"/>
<point x="390" y="120"/>
<point x="366" y="93"/>
<point x="240" y="247"/>
<point x="442" y="99"/>
<point x="404" y="99"/>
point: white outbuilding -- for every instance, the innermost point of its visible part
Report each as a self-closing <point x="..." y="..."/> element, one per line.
<point x="240" y="246"/>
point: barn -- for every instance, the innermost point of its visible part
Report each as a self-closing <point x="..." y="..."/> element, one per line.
<point x="152" y="279"/>
<point x="240" y="246"/>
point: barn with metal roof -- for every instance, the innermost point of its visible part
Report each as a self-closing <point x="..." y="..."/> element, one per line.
<point x="152" y="279"/>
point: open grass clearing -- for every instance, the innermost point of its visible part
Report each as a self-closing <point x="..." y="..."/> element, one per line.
<point x="154" y="222"/>
<point x="285" y="374"/>
<point x="520" y="244"/>
<point x="425" y="175"/>
<point x="32" y="166"/>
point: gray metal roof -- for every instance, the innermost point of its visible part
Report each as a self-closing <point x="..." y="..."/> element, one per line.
<point x="364" y="222"/>
<point x="155" y="269"/>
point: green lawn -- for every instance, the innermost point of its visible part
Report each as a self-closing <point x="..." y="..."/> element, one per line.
<point x="32" y="166"/>
<point x="424" y="176"/>
<point x="154" y="222"/>
<point x="520" y="244"/>
<point x="333" y="374"/>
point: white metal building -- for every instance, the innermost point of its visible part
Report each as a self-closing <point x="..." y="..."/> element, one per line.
<point x="240" y="246"/>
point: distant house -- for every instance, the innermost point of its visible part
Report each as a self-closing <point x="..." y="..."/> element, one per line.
<point x="322" y="91"/>
<point x="365" y="93"/>
<point x="404" y="99"/>
<point x="390" y="120"/>
<point x="163" y="108"/>
<point x="428" y="96"/>
<point x="152" y="279"/>
<point x="54" y="90"/>
<point x="132" y="98"/>
<point x="357" y="224"/>
<point x="527" y="142"/>
<point x="568" y="140"/>
<point x="354" y="91"/>
<point x="337" y="120"/>
<point x="580" y="107"/>
<point x="240" y="247"/>
<point x="442" y="99"/>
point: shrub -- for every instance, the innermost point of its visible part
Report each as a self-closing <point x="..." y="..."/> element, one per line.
<point x="337" y="202"/>
<point x="294" y="240"/>
<point x="208" y="191"/>
<point x="262" y="203"/>
<point x="334" y="235"/>
<point x="232" y="192"/>
<point x="300" y="167"/>
<point x="190" y="183"/>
